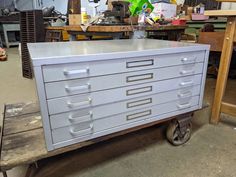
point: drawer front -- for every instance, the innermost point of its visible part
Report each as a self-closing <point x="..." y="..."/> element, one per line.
<point x="87" y="129"/>
<point x="90" y="69"/>
<point x="65" y="104"/>
<point x="72" y="87"/>
<point x="89" y="114"/>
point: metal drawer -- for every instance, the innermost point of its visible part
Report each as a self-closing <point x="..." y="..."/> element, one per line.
<point x="72" y="87"/>
<point x="87" y="129"/>
<point x="64" y="104"/>
<point x="90" y="69"/>
<point x="88" y="114"/>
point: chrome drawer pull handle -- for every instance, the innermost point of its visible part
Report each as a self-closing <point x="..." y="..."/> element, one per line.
<point x="81" y="119"/>
<point x="78" y="88"/>
<point x="74" y="72"/>
<point x="184" y="72"/>
<point x="82" y="132"/>
<point x="190" y="83"/>
<point x="83" y="103"/>
<point x="184" y="106"/>
<point x="185" y="95"/>
<point x="187" y="60"/>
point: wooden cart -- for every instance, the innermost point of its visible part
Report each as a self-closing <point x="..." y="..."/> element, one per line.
<point x="22" y="138"/>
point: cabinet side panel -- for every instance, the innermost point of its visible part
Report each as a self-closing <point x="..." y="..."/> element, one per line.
<point x="43" y="107"/>
<point x="204" y="74"/>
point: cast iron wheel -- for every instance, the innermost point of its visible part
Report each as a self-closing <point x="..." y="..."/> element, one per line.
<point x="175" y="136"/>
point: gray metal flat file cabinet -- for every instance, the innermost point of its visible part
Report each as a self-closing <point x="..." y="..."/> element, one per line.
<point x="90" y="89"/>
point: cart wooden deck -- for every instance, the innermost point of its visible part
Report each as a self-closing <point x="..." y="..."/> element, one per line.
<point x="22" y="138"/>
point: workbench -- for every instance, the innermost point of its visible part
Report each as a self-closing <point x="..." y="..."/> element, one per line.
<point x="219" y="106"/>
<point x="219" y="24"/>
<point x="7" y="27"/>
<point x="116" y="32"/>
<point x="170" y="32"/>
<point x="64" y="34"/>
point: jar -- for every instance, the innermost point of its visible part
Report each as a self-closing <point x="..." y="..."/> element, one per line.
<point x="84" y="16"/>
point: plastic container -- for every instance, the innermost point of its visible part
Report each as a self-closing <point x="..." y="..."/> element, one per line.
<point x="84" y="15"/>
<point x="179" y="22"/>
<point x="199" y="17"/>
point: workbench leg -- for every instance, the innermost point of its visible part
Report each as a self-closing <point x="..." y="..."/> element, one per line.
<point x="30" y="171"/>
<point x="224" y="69"/>
<point x="73" y="37"/>
<point x="4" y="173"/>
<point x="1" y="45"/>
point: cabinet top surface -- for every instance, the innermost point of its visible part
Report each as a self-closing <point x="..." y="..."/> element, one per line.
<point x="68" y="52"/>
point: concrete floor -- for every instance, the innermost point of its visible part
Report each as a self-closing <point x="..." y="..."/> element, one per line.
<point x="210" y="152"/>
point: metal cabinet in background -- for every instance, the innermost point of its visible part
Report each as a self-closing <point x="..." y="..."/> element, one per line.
<point x="10" y="33"/>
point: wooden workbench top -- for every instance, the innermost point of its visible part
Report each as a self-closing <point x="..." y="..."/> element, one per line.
<point x="55" y="27"/>
<point x="166" y="27"/>
<point x="98" y="28"/>
<point x="126" y="28"/>
<point x="218" y="13"/>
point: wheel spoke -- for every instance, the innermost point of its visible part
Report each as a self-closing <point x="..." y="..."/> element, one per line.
<point x="175" y="136"/>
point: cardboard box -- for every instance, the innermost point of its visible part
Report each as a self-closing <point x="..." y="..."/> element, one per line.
<point x="164" y="9"/>
<point x="74" y="19"/>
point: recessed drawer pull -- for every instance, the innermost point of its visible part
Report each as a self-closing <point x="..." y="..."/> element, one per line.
<point x="77" y="88"/>
<point x="139" y="77"/>
<point x="139" y="115"/>
<point x="138" y="90"/>
<point x="74" y="72"/>
<point x="81" y="119"/>
<point x="184" y="106"/>
<point x="82" y="132"/>
<point x="135" y="64"/>
<point x="184" y="72"/>
<point x="188" y="60"/>
<point x="139" y="103"/>
<point x="190" y="83"/>
<point x="185" y="95"/>
<point x="83" y="103"/>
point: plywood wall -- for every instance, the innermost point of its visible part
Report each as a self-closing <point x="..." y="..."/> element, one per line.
<point x="228" y="6"/>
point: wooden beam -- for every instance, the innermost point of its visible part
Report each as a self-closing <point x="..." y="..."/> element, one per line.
<point x="224" y="69"/>
<point x="228" y="108"/>
<point x="235" y="37"/>
<point x="74" y="7"/>
<point x="220" y="13"/>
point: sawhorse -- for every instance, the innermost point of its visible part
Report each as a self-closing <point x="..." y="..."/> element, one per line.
<point x="219" y="106"/>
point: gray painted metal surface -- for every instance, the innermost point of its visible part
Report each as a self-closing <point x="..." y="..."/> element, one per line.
<point x="44" y="53"/>
<point x="91" y="89"/>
